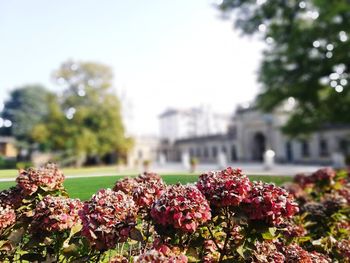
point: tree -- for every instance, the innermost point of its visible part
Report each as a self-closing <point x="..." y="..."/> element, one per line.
<point x="85" y="121"/>
<point x="306" y="58"/>
<point x="26" y="107"/>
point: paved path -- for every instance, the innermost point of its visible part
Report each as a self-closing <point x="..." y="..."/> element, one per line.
<point x="173" y="168"/>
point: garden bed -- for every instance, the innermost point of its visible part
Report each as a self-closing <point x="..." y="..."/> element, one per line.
<point x="221" y="216"/>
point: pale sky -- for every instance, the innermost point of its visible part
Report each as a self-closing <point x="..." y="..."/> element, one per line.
<point x="164" y="53"/>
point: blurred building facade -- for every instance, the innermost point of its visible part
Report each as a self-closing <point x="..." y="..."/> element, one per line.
<point x="246" y="137"/>
<point x="178" y="124"/>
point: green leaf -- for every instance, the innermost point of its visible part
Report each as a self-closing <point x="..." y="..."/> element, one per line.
<point x="240" y="250"/>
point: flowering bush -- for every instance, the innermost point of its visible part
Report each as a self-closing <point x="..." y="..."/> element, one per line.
<point x="125" y="185"/>
<point x="224" y="188"/>
<point x="163" y="255"/>
<point x="7" y="217"/>
<point x="294" y="253"/>
<point x="181" y="207"/>
<point x="107" y="218"/>
<point x="144" y="189"/>
<point x="269" y="203"/>
<point x="11" y="197"/>
<point x="266" y="252"/>
<point x="47" y="177"/>
<point x="222" y="218"/>
<point x="56" y="214"/>
<point x="149" y="187"/>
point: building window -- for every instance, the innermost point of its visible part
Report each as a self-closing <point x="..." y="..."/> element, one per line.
<point x="343" y="146"/>
<point x="223" y="149"/>
<point x="289" y="152"/>
<point x="323" y="148"/>
<point x="198" y="152"/>
<point x="233" y="153"/>
<point x="305" y="149"/>
<point x="206" y="153"/>
<point x="215" y="151"/>
<point x="191" y="152"/>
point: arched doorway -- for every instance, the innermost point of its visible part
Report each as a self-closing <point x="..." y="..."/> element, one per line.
<point x="259" y="146"/>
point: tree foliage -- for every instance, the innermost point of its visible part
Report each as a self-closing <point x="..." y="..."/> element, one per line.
<point x="306" y="57"/>
<point x="25" y="108"/>
<point x="85" y="120"/>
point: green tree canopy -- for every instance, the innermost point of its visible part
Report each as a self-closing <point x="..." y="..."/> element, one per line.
<point x="26" y="107"/>
<point x="306" y="57"/>
<point x="86" y="119"/>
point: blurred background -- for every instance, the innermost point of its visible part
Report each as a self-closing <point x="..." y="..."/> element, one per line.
<point x="175" y="85"/>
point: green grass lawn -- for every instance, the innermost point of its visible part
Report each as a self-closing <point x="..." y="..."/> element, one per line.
<point x="83" y="188"/>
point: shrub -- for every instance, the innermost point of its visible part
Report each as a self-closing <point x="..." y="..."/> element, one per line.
<point x="224" y="217"/>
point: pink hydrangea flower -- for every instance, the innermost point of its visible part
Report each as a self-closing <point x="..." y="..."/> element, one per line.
<point x="7" y="217"/>
<point x="11" y="197"/>
<point x="224" y="188"/>
<point x="162" y="255"/>
<point x="126" y="185"/>
<point x="144" y="189"/>
<point x="150" y="187"/>
<point x="108" y="218"/>
<point x="269" y="203"/>
<point x="295" y="254"/>
<point x="343" y="248"/>
<point x="48" y="176"/>
<point x="324" y="175"/>
<point x="181" y="207"/>
<point x="56" y="214"/>
<point x="266" y="252"/>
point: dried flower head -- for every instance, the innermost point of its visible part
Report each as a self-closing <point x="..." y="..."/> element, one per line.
<point x="108" y="218"/>
<point x="162" y="255"/>
<point x="228" y="187"/>
<point x="181" y="207"/>
<point x="150" y="187"/>
<point x="343" y="248"/>
<point x="270" y="203"/>
<point x="125" y="185"/>
<point x="11" y="197"/>
<point x="7" y="217"/>
<point x="56" y="214"/>
<point x="266" y="252"/>
<point x="48" y="176"/>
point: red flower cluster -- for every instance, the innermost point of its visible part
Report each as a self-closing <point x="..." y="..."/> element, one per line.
<point x="322" y="176"/>
<point x="304" y="180"/>
<point x="291" y="229"/>
<point x="224" y="188"/>
<point x="118" y="259"/>
<point x="7" y="217"/>
<point x="161" y="255"/>
<point x="269" y="203"/>
<point x="295" y="254"/>
<point x="125" y="185"/>
<point x="182" y="207"/>
<point x="144" y="189"/>
<point x="150" y="187"/>
<point x="345" y="192"/>
<point x="56" y="214"/>
<point x="343" y="248"/>
<point x="266" y="252"/>
<point x="11" y="197"/>
<point x="210" y="252"/>
<point x="107" y="218"/>
<point x="149" y="177"/>
<point x="47" y="176"/>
